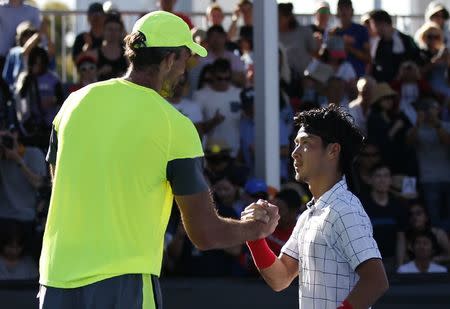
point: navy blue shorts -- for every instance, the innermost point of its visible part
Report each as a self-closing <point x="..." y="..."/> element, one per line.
<point x="134" y="291"/>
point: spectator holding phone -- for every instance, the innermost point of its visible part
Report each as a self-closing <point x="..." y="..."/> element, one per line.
<point x="431" y="138"/>
<point x="93" y="39"/>
<point x="22" y="172"/>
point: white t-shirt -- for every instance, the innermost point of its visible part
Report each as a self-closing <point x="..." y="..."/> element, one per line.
<point x="411" y="268"/>
<point x="228" y="103"/>
<point x="190" y="109"/>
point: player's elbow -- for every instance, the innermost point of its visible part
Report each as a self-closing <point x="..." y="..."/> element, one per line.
<point x="384" y="285"/>
<point x="278" y="285"/>
<point x="204" y="242"/>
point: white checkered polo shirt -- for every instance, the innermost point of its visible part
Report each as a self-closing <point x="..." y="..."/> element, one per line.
<point x="331" y="238"/>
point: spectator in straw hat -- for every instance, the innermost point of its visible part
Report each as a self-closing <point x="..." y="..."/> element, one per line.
<point x="438" y="13"/>
<point x="387" y="128"/>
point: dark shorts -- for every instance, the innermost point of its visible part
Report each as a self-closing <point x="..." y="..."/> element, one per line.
<point x="125" y="291"/>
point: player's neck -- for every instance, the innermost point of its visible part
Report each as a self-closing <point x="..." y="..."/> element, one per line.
<point x="380" y="197"/>
<point x="422" y="264"/>
<point x="322" y="184"/>
<point x="143" y="79"/>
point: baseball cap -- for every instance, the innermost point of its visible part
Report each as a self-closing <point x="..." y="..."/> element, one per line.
<point x="322" y="7"/>
<point x="85" y="58"/>
<point x="164" y="29"/>
<point x="95" y="8"/>
<point x="255" y="185"/>
<point x="24" y="26"/>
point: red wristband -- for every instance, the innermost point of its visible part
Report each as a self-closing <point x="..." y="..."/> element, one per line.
<point x="345" y="305"/>
<point x="261" y="253"/>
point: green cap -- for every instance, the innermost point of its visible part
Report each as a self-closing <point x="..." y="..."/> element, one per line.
<point x="164" y="29"/>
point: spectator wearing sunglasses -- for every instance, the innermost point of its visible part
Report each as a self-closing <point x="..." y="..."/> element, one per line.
<point x="435" y="57"/>
<point x="438" y="13"/>
<point x="87" y="71"/>
<point x="221" y="102"/>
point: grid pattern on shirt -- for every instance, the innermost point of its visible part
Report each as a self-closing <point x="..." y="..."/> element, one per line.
<point x="331" y="238"/>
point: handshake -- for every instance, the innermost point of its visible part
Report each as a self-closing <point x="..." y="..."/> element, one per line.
<point x="263" y="215"/>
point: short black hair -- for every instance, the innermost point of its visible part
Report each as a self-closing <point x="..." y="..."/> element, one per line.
<point x="113" y="18"/>
<point x="334" y="125"/>
<point x="221" y="65"/>
<point x="38" y="53"/>
<point x="347" y="3"/>
<point x="142" y="57"/>
<point x="427" y="234"/>
<point x="215" y="29"/>
<point x="291" y="198"/>
<point x="285" y="8"/>
<point x="202" y="80"/>
<point x="380" y="16"/>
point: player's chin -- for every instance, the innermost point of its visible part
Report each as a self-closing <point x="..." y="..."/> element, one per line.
<point x="299" y="177"/>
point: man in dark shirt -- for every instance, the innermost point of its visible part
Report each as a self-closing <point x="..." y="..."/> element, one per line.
<point x="387" y="216"/>
<point x="92" y="39"/>
<point x="393" y="48"/>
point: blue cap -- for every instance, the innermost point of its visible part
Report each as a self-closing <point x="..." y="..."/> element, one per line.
<point x="255" y="185"/>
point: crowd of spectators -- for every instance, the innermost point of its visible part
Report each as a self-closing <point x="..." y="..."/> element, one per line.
<point x="394" y="85"/>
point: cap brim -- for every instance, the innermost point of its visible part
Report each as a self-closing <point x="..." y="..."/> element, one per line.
<point x="198" y="49"/>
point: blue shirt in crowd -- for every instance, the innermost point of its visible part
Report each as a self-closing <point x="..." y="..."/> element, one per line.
<point x="361" y="36"/>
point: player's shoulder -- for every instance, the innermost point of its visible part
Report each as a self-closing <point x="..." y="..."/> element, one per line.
<point x="345" y="202"/>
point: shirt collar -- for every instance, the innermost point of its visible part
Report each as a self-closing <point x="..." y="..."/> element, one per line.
<point x="326" y="197"/>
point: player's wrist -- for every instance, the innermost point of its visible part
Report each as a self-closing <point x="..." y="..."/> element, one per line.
<point x="262" y="255"/>
<point x="345" y="305"/>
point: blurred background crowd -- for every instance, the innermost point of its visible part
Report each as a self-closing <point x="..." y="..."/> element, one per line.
<point x="395" y="85"/>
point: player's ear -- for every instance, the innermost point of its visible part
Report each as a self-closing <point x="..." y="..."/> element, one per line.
<point x="167" y="63"/>
<point x="333" y="151"/>
<point x="170" y="60"/>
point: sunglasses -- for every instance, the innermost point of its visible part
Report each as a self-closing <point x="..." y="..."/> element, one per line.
<point x="222" y="78"/>
<point x="433" y="36"/>
<point x="87" y="67"/>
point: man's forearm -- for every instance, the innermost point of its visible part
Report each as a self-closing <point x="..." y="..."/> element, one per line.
<point x="364" y="294"/>
<point x="277" y="276"/>
<point x="228" y="233"/>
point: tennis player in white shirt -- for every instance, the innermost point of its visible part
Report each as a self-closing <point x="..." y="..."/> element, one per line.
<point x="331" y="249"/>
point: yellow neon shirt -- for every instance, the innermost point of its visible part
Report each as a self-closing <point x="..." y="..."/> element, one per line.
<point x="111" y="199"/>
